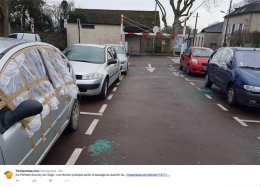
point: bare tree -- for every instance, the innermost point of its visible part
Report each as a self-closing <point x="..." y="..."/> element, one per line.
<point x="181" y="10"/>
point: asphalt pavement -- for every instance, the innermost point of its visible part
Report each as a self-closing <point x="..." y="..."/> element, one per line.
<point x="159" y="116"/>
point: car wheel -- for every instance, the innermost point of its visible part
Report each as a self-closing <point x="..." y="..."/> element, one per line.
<point x="103" y="93"/>
<point x="188" y="70"/>
<point x="231" y="96"/>
<point x="119" y="76"/>
<point x="74" y="117"/>
<point x="180" y="67"/>
<point x="208" y="82"/>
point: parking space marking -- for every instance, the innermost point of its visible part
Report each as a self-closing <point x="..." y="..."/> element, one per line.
<point x="74" y="157"/>
<point x="208" y="96"/>
<point x="103" y="108"/>
<point x="110" y="97"/>
<point x="114" y="89"/>
<point x="194" y="80"/>
<point x="182" y="76"/>
<point x="222" y="107"/>
<point x="241" y="122"/>
<point x="258" y="138"/>
<point x="192" y="83"/>
<point x="176" y="74"/>
<point x="92" y="127"/>
<point x="187" y="79"/>
<point x="91" y="113"/>
<point x="199" y="89"/>
<point x="117" y="84"/>
<point x="251" y="121"/>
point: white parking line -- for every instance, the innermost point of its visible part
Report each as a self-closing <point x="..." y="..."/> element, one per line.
<point x="192" y="83"/>
<point x="208" y="96"/>
<point x="115" y="88"/>
<point x="222" y="107"/>
<point x="92" y="127"/>
<point x="74" y="157"/>
<point x="176" y="74"/>
<point x="199" y="89"/>
<point x="103" y="108"/>
<point x="258" y="138"/>
<point x="194" y="80"/>
<point x="240" y="121"/>
<point x="187" y="79"/>
<point x="182" y="76"/>
<point x="91" y="113"/>
<point x="110" y="97"/>
<point x="118" y="84"/>
<point x="251" y="121"/>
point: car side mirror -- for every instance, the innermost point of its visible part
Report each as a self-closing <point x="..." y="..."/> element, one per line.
<point x="229" y="65"/>
<point x="112" y="62"/>
<point x="24" y="110"/>
<point x="128" y="54"/>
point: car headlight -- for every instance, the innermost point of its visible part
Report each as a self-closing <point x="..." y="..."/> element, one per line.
<point x="252" y="88"/>
<point x="92" y="76"/>
<point x="194" y="61"/>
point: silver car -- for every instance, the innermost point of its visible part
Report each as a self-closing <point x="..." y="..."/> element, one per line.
<point x="122" y="55"/>
<point x="96" y="67"/>
<point x="38" y="100"/>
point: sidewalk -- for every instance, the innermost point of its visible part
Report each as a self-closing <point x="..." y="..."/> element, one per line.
<point x="175" y="60"/>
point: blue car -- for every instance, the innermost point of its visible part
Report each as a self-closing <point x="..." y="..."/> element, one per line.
<point x="236" y="71"/>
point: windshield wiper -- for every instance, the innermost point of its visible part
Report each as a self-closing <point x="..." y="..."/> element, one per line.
<point x="79" y="60"/>
<point x="249" y="67"/>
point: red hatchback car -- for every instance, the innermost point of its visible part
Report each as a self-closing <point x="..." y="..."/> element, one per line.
<point x="195" y="59"/>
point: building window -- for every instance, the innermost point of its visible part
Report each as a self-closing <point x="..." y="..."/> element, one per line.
<point x="233" y="28"/>
<point x="202" y="42"/>
<point x="88" y="26"/>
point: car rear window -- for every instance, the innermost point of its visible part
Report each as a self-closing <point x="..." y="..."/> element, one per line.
<point x="89" y="54"/>
<point x="248" y="59"/>
<point x="202" y="52"/>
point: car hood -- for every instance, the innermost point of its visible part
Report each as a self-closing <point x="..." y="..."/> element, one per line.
<point x="121" y="57"/>
<point x="82" y="68"/>
<point x="251" y="77"/>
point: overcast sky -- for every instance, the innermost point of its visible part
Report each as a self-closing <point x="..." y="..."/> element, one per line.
<point x="206" y="16"/>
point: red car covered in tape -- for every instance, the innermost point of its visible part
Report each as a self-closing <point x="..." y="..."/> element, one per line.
<point x="195" y="59"/>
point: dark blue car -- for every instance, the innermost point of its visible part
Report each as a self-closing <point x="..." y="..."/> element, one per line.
<point x="236" y="71"/>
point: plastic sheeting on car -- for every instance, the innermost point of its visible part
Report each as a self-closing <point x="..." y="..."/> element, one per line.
<point x="24" y="77"/>
<point x="61" y="77"/>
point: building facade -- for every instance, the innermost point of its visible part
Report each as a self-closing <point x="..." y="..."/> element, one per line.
<point x="104" y="27"/>
<point x="4" y="20"/>
<point x="245" y="19"/>
<point x="209" y="37"/>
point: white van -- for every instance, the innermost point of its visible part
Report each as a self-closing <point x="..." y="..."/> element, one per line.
<point x="26" y="36"/>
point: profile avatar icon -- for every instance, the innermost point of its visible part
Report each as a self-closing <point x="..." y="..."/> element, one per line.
<point x="9" y="174"/>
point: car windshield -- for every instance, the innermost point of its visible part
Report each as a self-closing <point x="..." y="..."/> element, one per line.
<point x="119" y="49"/>
<point x="89" y="54"/>
<point x="202" y="52"/>
<point x="248" y="59"/>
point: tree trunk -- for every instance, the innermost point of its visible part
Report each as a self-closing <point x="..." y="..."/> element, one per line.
<point x="175" y="30"/>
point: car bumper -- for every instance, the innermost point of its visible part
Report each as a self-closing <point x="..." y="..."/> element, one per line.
<point x="248" y="98"/>
<point x="197" y="69"/>
<point x="124" y="66"/>
<point x="89" y="87"/>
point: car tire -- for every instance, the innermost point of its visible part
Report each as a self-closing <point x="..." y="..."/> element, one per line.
<point x="180" y="67"/>
<point x="188" y="70"/>
<point x="231" y="95"/>
<point x="207" y="81"/>
<point x="119" y="76"/>
<point x="103" y="93"/>
<point x="74" y="117"/>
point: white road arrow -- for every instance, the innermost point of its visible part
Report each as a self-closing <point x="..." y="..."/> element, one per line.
<point x="150" y="68"/>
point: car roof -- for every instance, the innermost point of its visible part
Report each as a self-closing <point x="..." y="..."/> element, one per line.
<point x="200" y="48"/>
<point x="244" y="49"/>
<point x="7" y="43"/>
<point x="90" y="45"/>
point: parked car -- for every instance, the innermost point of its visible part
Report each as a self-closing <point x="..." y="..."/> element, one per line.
<point x="236" y="71"/>
<point x="195" y="59"/>
<point x="122" y="55"/>
<point x="38" y="100"/>
<point x="96" y="67"/>
<point x="26" y="36"/>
